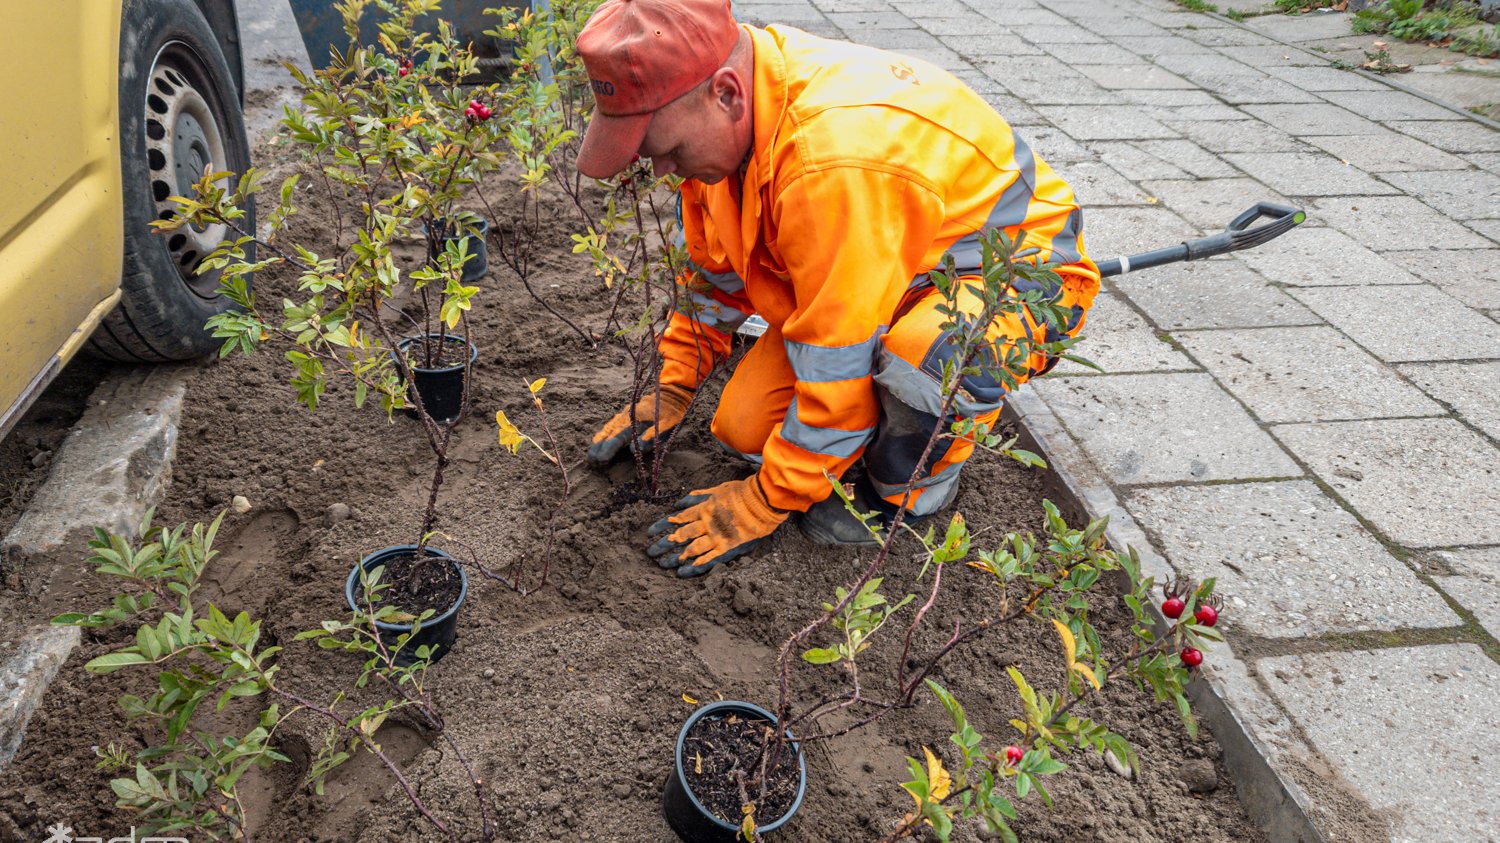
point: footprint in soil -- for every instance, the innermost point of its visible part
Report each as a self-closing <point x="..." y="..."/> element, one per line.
<point x="349" y="791"/>
<point x="256" y="550"/>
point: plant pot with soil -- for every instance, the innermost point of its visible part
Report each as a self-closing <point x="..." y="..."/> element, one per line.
<point x="413" y="582"/>
<point x="718" y="749"/>
<point x="467" y="232"/>
<point x="438" y="366"/>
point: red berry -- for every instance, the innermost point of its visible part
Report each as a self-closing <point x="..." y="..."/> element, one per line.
<point x="1013" y="755"/>
<point x="474" y="104"/>
<point x="470" y="113"/>
<point x="484" y="112"/>
<point x="1206" y="615"/>
<point x="1173" y="607"/>
<point x="403" y="71"/>
<point x="406" y="62"/>
<point x="1191" y="656"/>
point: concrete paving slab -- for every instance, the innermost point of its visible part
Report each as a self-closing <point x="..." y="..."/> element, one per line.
<point x="1221" y="136"/>
<point x="1114" y="122"/>
<point x="1129" y="231"/>
<point x="1185" y="97"/>
<point x="1421" y="482"/>
<point x="1156" y="46"/>
<point x="1138" y="76"/>
<point x="1388" y="152"/>
<point x="1302" y="28"/>
<point x="848" y="5"/>
<point x="1314" y="119"/>
<point x="1212" y="294"/>
<point x="1248" y="7"/>
<point x="1325" y="79"/>
<point x="1163" y="428"/>
<point x="1467" y="194"/>
<point x="916" y="9"/>
<point x="1469" y="388"/>
<point x="1395" y="223"/>
<point x="1390" y="105"/>
<point x="1488" y="228"/>
<point x="1289" y="561"/>
<point x="1487" y="161"/>
<point x="1465" y="90"/>
<point x="1452" y="135"/>
<point x="1234" y="82"/>
<point x="1051" y="34"/>
<point x="1096" y="184"/>
<point x="1304" y="374"/>
<point x="1010" y="16"/>
<point x="1056" y="148"/>
<point x="1316" y="257"/>
<point x="1168" y="113"/>
<point x="764" y="14"/>
<point x="1211" y="204"/>
<point x="1115" y="26"/>
<point x="972" y="25"/>
<point x="114" y="465"/>
<point x="1308" y="174"/>
<point x="1384" y="719"/>
<point x="1197" y="161"/>
<point x="1083" y="55"/>
<point x="1119" y="340"/>
<point x="1470" y="275"/>
<point x="1228" y="37"/>
<point x="1002" y="47"/>
<point x="25" y="673"/>
<point x="1276" y="55"/>
<point x="859" y="22"/>
<point x="1475" y="583"/>
<point x="1407" y="323"/>
<point x="1135" y="163"/>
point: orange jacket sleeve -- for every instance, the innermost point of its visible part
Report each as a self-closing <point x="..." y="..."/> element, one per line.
<point x="711" y="304"/>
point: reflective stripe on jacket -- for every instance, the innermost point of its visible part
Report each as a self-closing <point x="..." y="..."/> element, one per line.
<point x="866" y="168"/>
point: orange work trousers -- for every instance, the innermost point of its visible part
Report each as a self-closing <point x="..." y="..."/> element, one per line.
<point x="908" y="386"/>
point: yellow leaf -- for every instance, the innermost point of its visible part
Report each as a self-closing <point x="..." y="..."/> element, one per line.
<point x="747" y="828"/>
<point x="938" y="780"/>
<point x="1087" y="673"/>
<point x="536" y="385"/>
<point x="411" y="119"/>
<point x="510" y="436"/>
<point x="1070" y="645"/>
<point x="689" y="700"/>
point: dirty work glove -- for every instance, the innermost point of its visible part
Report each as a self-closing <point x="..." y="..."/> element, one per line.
<point x="714" y="525"/>
<point x="617" y="432"/>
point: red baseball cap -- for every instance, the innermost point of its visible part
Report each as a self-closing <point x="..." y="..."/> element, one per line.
<point x="641" y="55"/>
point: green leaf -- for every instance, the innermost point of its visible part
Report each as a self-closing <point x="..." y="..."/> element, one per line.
<point x="111" y="662"/>
<point x="821" y="655"/>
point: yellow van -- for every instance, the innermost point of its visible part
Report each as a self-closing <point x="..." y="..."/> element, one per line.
<point x="108" y="108"/>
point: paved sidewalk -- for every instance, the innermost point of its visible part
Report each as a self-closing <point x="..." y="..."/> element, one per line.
<point x="1313" y="422"/>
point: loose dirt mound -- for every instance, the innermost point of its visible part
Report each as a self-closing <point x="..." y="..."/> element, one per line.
<point x="568" y="700"/>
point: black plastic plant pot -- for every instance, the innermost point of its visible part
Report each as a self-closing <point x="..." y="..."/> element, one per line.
<point x="439" y="388"/>
<point x="687" y="816"/>
<point x="438" y="631"/>
<point x="479" y="254"/>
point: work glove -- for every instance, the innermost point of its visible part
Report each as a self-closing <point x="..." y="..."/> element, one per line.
<point x="618" y="431"/>
<point x="714" y="525"/>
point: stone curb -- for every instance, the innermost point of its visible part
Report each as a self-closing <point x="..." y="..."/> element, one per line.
<point x="1376" y="77"/>
<point x="1275" y="801"/>
<point x="114" y="465"/>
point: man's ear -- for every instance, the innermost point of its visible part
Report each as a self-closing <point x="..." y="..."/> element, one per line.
<point x="729" y="92"/>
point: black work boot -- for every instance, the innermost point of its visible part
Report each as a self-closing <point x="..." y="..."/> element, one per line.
<point x="829" y="522"/>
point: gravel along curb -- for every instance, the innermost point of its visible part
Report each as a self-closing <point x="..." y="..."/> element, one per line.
<point x="1274" y="801"/>
<point x="114" y="465"/>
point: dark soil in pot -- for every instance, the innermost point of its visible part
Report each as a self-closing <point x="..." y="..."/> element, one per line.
<point x="718" y="768"/>
<point x="415" y="584"/>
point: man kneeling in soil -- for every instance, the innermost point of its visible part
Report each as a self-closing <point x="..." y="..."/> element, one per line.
<point x="823" y="181"/>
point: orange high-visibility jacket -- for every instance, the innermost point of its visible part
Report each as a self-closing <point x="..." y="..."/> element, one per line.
<point x="866" y="168"/>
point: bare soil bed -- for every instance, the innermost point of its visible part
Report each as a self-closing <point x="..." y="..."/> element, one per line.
<point x="568" y="700"/>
